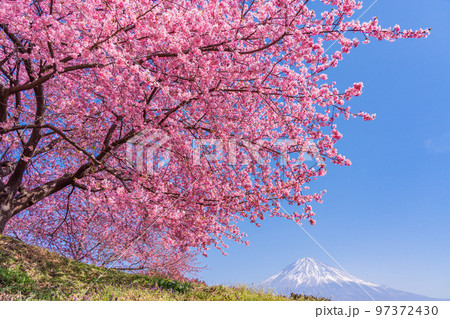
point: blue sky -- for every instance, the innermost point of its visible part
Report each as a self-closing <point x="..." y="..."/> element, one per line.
<point x="385" y="219"/>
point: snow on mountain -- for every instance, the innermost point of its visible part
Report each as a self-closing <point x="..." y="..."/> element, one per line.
<point x="310" y="277"/>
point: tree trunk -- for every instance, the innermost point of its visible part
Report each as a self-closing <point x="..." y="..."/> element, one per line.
<point x="3" y="220"/>
<point x="5" y="211"/>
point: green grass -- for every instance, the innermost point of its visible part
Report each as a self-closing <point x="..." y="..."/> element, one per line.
<point x="33" y="273"/>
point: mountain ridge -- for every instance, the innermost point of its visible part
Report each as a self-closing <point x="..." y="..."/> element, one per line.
<point x="311" y="277"/>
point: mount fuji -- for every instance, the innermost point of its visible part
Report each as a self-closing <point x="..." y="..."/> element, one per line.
<point x="310" y="277"/>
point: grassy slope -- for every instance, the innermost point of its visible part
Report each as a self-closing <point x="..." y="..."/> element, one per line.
<point x="32" y="273"/>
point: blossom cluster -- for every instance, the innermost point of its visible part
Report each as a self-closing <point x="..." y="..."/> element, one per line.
<point x="81" y="78"/>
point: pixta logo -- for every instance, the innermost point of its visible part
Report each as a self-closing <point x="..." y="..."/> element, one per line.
<point x="149" y="151"/>
<point x="143" y="147"/>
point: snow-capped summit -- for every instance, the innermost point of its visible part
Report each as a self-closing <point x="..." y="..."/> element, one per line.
<point x="310" y="272"/>
<point x="311" y="277"/>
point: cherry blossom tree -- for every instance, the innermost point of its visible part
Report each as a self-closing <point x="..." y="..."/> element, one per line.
<point x="80" y="80"/>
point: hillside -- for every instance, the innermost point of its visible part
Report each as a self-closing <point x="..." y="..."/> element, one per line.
<point x="32" y="273"/>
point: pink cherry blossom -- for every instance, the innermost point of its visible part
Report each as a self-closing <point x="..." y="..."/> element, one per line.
<point x="80" y="79"/>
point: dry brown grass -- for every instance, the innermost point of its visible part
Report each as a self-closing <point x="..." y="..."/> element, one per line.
<point x="33" y="273"/>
